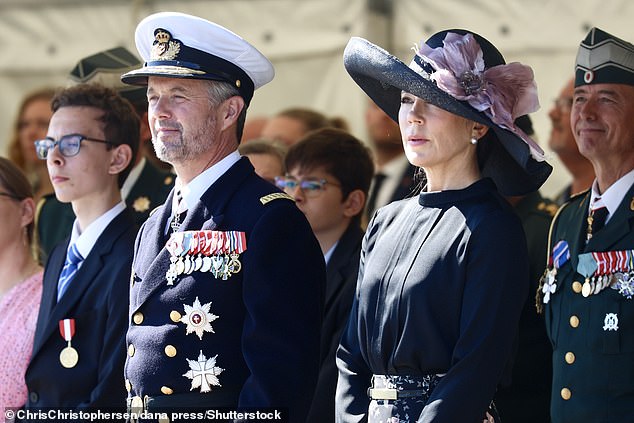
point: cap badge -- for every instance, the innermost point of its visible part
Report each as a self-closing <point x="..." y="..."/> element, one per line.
<point x="164" y="47"/>
<point x="588" y="76"/>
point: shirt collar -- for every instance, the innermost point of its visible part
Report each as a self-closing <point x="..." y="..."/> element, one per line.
<point x="192" y="192"/>
<point x="613" y="196"/>
<point x="330" y="252"/>
<point x="86" y="240"/>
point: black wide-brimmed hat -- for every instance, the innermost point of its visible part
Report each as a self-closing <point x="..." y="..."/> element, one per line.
<point x="464" y="74"/>
<point x="177" y="45"/>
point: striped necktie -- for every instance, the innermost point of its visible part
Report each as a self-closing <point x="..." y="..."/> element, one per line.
<point x="73" y="258"/>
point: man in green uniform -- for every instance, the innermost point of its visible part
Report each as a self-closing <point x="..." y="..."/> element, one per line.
<point x="145" y="188"/>
<point x="588" y="288"/>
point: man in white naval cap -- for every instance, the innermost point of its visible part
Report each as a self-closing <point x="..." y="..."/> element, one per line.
<point x="588" y="289"/>
<point x="228" y="280"/>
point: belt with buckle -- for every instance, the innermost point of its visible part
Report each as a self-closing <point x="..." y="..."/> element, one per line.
<point x="393" y="387"/>
<point x="394" y="394"/>
<point x="225" y="398"/>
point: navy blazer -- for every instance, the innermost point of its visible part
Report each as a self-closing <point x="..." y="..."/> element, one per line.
<point x="97" y="298"/>
<point x="341" y="274"/>
<point x="265" y="339"/>
<point x="55" y="219"/>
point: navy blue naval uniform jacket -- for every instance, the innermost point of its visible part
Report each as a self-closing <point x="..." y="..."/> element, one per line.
<point x="266" y="335"/>
<point x="97" y="298"/>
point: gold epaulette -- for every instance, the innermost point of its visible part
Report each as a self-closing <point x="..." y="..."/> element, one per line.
<point x="276" y="196"/>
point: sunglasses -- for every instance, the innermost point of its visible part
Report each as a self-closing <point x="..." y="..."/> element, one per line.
<point x="68" y="145"/>
<point x="310" y="187"/>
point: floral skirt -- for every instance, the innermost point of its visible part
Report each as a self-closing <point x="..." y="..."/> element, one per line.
<point x="408" y="409"/>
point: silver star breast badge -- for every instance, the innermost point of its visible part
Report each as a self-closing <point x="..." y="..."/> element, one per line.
<point x="198" y="318"/>
<point x="203" y="373"/>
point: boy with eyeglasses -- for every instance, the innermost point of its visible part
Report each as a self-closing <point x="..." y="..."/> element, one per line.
<point x="79" y="345"/>
<point x="329" y="174"/>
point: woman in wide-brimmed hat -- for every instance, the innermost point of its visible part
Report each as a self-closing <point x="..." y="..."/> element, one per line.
<point x="443" y="276"/>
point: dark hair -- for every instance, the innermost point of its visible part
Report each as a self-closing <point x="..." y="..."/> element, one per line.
<point x="14" y="150"/>
<point x="15" y="183"/>
<point x="264" y="146"/>
<point x="121" y="122"/>
<point x="339" y="153"/>
<point x="313" y="120"/>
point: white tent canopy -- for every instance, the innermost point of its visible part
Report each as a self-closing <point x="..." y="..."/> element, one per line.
<point x="42" y="41"/>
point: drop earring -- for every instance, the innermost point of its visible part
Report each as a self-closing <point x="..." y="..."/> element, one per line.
<point x="474" y="140"/>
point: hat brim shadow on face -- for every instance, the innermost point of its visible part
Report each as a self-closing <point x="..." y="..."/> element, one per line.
<point x="502" y="155"/>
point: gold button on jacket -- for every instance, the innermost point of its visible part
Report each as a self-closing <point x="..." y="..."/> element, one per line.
<point x="170" y="351"/>
<point x="569" y="357"/>
<point x="566" y="394"/>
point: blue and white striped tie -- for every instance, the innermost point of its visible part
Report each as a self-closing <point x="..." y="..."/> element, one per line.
<point x="73" y="258"/>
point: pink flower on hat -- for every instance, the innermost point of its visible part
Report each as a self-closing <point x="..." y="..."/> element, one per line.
<point x="502" y="92"/>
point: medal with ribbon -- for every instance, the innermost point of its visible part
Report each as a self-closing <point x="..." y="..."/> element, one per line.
<point x="559" y="257"/>
<point x="175" y="247"/>
<point x="607" y="268"/>
<point x="217" y="252"/>
<point x="68" y="356"/>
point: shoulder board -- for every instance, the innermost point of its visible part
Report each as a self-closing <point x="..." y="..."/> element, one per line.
<point x="276" y="196"/>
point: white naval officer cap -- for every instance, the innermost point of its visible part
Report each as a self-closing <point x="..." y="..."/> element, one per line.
<point x="177" y="45"/>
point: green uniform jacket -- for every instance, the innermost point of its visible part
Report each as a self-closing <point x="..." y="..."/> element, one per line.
<point x="593" y="358"/>
<point x="55" y="219"/>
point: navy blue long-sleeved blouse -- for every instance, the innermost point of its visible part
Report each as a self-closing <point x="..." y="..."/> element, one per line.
<point x="442" y="281"/>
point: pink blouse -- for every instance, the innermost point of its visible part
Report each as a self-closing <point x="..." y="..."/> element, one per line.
<point x="18" y="317"/>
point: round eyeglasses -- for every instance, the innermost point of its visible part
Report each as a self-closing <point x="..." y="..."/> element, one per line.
<point x="310" y="187"/>
<point x="68" y="145"/>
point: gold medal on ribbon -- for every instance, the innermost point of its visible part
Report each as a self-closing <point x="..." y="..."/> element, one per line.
<point x="234" y="264"/>
<point x="68" y="357"/>
<point x="586" y="290"/>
